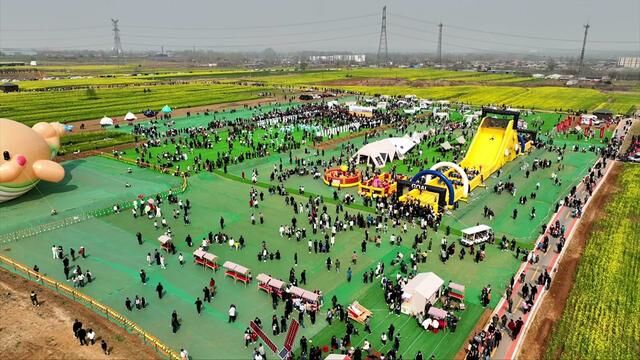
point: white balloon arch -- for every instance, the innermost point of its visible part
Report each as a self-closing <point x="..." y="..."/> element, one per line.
<point x="458" y="169"/>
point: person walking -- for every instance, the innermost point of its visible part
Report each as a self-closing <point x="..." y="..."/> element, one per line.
<point x="159" y="290"/>
<point x="184" y="354"/>
<point x="105" y="347"/>
<point x="77" y="325"/>
<point x="233" y="313"/>
<point x="162" y="263"/>
<point x="143" y="277"/>
<point x="349" y="274"/>
<point x="127" y="304"/>
<point x="139" y="237"/>
<point x="91" y="335"/>
<point x="207" y="294"/>
<point x="82" y="336"/>
<point x="174" y="322"/>
<point x="181" y="259"/>
<point x="34" y="298"/>
<point x="198" y="304"/>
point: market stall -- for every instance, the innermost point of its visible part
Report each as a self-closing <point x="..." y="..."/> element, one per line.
<point x="270" y="285"/>
<point x="237" y="272"/>
<point x="206" y="259"/>
<point x="165" y="242"/>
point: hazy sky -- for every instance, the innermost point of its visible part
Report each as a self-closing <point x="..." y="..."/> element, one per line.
<point x="540" y="26"/>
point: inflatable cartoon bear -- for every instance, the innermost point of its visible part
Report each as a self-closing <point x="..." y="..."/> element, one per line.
<point x="25" y="156"/>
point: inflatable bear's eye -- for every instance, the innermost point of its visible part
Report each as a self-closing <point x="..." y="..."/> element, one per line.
<point x="6" y="155"/>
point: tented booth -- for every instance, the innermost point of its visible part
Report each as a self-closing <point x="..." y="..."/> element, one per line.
<point x="380" y="152"/>
<point x="106" y="121"/>
<point x="423" y="288"/>
<point x="130" y="116"/>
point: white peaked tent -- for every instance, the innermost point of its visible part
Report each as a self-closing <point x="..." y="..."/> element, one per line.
<point x="130" y="116"/>
<point x="445" y="145"/>
<point x="106" y="121"/>
<point x="460" y="140"/>
<point x="380" y="152"/>
<point x="423" y="288"/>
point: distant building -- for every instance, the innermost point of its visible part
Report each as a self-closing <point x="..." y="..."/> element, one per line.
<point x="9" y="87"/>
<point x="348" y="58"/>
<point x="629" y="62"/>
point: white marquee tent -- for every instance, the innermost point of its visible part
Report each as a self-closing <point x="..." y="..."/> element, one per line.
<point x="423" y="288"/>
<point x="106" y="121"/>
<point x="380" y="152"/>
<point x="130" y="116"/>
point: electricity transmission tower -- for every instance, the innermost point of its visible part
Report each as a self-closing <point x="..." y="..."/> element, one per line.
<point x="440" y="44"/>
<point x="584" y="44"/>
<point x="382" y="46"/>
<point x="117" y="45"/>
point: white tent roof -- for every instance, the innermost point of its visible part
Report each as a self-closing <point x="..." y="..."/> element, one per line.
<point x="425" y="284"/>
<point x="460" y="139"/>
<point x="445" y="145"/>
<point x="106" y="121"/>
<point x="130" y="116"/>
<point x="386" y="149"/>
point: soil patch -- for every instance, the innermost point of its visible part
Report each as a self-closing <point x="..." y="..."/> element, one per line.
<point x="535" y="343"/>
<point x="44" y="332"/>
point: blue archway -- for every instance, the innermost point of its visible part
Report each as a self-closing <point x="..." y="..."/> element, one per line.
<point x="440" y="175"/>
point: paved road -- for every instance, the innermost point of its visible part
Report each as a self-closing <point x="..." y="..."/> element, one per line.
<point x="509" y="348"/>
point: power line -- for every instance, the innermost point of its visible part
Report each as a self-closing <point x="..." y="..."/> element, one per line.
<point x="512" y="45"/>
<point x="255" y="45"/>
<point x="522" y="36"/>
<point x="255" y="26"/>
<point x="53" y="29"/>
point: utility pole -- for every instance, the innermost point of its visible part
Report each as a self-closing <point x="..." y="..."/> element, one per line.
<point x="382" y="46"/>
<point x="117" y="45"/>
<point x="440" y="44"/>
<point x="584" y="44"/>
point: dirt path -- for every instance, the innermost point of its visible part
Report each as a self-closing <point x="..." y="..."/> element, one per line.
<point x="94" y="125"/>
<point x="85" y="154"/>
<point x="534" y="345"/>
<point x="44" y="332"/>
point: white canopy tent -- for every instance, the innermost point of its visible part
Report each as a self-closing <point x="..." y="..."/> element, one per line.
<point x="423" y="288"/>
<point x="106" y="121"/>
<point x="380" y="152"/>
<point x="130" y="116"/>
<point x="460" y="140"/>
<point x="445" y="145"/>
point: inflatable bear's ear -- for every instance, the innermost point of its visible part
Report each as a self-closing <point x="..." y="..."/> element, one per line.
<point x="50" y="132"/>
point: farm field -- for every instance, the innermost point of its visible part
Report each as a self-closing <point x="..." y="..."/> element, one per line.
<point x="605" y="291"/>
<point x="93" y="140"/>
<point x="65" y="106"/>
<point x="327" y="77"/>
<point x="539" y="98"/>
